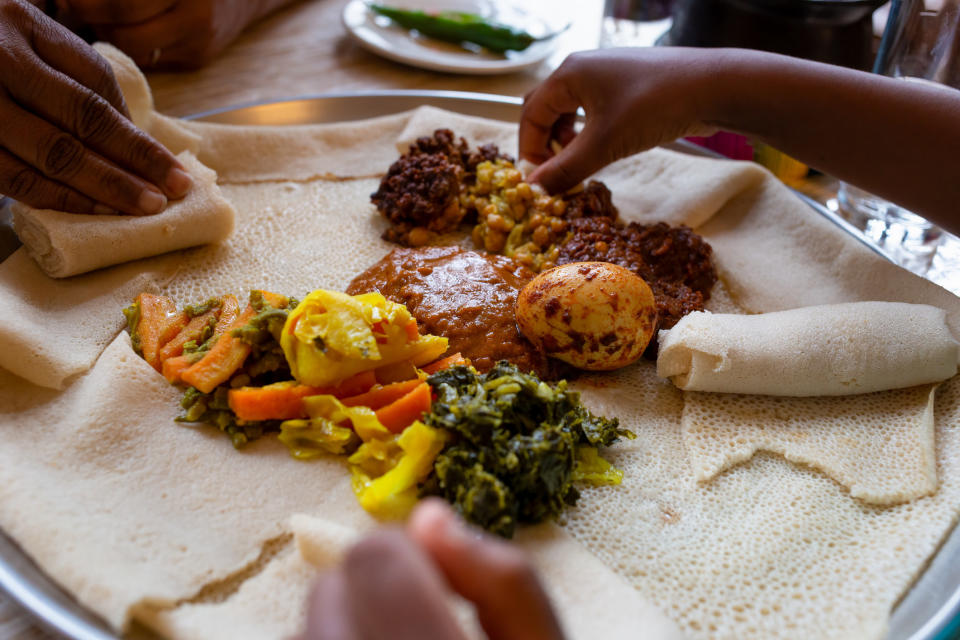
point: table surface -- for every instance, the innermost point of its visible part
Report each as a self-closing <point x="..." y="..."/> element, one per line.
<point x="307" y="42"/>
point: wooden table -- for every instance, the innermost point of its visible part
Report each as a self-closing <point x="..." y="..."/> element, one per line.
<point x="304" y="50"/>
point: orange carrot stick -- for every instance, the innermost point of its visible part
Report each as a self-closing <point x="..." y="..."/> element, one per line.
<point x="222" y="360"/>
<point x="281" y="401"/>
<point x="284" y="400"/>
<point x="159" y="322"/>
<point x="229" y="308"/>
<point x="401" y="413"/>
<point x="380" y="397"/>
<point x="275" y="300"/>
<point x="444" y="363"/>
<point x="174" y="367"/>
<point x="191" y="331"/>
<point x="355" y="384"/>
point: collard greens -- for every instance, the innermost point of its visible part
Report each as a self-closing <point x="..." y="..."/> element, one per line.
<point x="516" y="445"/>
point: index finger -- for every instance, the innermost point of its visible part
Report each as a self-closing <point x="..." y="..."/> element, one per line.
<point x="98" y="125"/>
<point x="494" y="576"/>
<point x="543" y="108"/>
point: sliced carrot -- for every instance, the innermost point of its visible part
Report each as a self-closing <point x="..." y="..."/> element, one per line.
<point x="275" y="300"/>
<point x="281" y="401"/>
<point x="401" y="413"/>
<point x="191" y="331"/>
<point x="284" y="400"/>
<point x="229" y="308"/>
<point x="379" y="397"/>
<point x="396" y="372"/>
<point x="159" y="322"/>
<point x="444" y="363"/>
<point x="222" y="360"/>
<point x="174" y="367"/>
<point x="355" y="384"/>
<point x="413" y="333"/>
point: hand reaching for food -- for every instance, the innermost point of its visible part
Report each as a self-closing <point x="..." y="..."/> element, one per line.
<point x="406" y="577"/>
<point x="632" y="102"/>
<point x="67" y="142"/>
<point x="850" y="124"/>
<point x="169" y="34"/>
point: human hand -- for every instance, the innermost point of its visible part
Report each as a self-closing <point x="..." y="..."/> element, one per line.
<point x="634" y="99"/>
<point x="67" y="142"/>
<point x="169" y="34"/>
<point x="394" y="584"/>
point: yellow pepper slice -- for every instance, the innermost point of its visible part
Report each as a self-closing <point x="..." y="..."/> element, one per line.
<point x="393" y="494"/>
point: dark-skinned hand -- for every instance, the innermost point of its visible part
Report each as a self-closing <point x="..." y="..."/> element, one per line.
<point x="394" y="585"/>
<point x="67" y="142"/>
<point x="632" y="102"/>
<point x="896" y="139"/>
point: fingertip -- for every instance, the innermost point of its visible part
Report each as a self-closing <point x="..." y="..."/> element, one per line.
<point x="431" y="521"/>
<point x="534" y="176"/>
<point x="151" y="201"/>
<point x="178" y="182"/>
<point x="552" y="177"/>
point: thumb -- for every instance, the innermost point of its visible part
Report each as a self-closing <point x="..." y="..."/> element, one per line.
<point x="576" y="162"/>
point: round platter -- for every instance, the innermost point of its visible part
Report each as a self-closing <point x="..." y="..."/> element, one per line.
<point x="929" y="611"/>
<point x="378" y="35"/>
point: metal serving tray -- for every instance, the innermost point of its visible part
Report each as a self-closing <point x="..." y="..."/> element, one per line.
<point x="930" y="610"/>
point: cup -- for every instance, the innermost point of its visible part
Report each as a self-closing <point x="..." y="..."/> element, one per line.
<point x="921" y="42"/>
<point x="634" y="23"/>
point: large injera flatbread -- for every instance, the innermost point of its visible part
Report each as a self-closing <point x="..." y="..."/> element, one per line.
<point x="145" y="519"/>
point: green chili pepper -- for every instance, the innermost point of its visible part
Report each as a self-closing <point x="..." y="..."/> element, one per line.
<point x="457" y="27"/>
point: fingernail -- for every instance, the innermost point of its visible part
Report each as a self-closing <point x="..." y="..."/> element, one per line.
<point x="151" y="201"/>
<point x="104" y="210"/>
<point x="178" y="182"/>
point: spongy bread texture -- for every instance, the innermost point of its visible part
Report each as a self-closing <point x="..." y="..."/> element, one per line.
<point x="130" y="511"/>
<point x="768" y="549"/>
<point x="157" y="512"/>
<point x="67" y="244"/>
<point x="54" y="330"/>
<point x="879" y="445"/>
<point x="292" y="238"/>
<point x="823" y="350"/>
<point x="272" y="603"/>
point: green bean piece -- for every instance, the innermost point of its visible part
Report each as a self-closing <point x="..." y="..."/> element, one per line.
<point x="457" y="27"/>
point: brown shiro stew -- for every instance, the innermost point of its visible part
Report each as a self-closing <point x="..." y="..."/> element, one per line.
<point x="464" y="296"/>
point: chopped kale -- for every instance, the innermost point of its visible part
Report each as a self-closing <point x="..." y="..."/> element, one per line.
<point x="516" y="444"/>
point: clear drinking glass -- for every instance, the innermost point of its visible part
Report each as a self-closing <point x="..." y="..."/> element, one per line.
<point x="634" y="23"/>
<point x="921" y="42"/>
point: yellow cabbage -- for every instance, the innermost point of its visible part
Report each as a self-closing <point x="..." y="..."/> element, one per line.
<point x="331" y="336"/>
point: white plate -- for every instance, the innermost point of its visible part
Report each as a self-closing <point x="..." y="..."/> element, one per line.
<point x="379" y="35"/>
